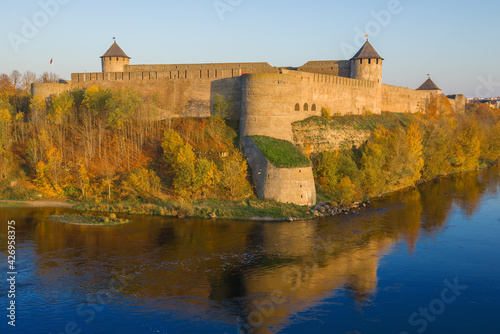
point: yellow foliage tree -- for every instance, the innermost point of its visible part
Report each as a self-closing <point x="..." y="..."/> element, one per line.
<point x="143" y="183"/>
<point x="232" y="180"/>
<point x="415" y="154"/>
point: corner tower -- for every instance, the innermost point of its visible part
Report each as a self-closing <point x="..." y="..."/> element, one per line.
<point x="367" y="64"/>
<point x="114" y="60"/>
<point x="430" y="86"/>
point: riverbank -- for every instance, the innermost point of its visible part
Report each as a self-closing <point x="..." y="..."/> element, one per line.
<point x="249" y="209"/>
<point x="252" y="209"/>
<point x="59" y="204"/>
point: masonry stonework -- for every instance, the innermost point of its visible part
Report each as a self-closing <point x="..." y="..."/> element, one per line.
<point x="267" y="100"/>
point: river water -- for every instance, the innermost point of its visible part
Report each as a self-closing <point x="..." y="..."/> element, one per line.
<point x="420" y="261"/>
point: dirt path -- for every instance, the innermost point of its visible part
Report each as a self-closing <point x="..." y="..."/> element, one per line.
<point x="42" y="203"/>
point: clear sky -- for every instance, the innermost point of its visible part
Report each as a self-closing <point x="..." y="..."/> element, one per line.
<point x="457" y="42"/>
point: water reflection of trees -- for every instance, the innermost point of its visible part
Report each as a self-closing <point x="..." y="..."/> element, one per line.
<point x="233" y="268"/>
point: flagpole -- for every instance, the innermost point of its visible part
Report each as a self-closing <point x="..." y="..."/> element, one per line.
<point x="52" y="63"/>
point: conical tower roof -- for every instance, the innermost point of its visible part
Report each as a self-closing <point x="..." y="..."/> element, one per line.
<point x="367" y="52"/>
<point x="115" y="51"/>
<point x="429" y="85"/>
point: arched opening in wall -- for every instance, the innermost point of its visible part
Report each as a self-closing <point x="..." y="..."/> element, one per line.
<point x="369" y="61"/>
<point x="313" y="108"/>
<point x="297" y="107"/>
<point x="361" y="61"/>
<point x="306" y="107"/>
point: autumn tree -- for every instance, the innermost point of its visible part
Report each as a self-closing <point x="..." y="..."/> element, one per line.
<point x="373" y="161"/>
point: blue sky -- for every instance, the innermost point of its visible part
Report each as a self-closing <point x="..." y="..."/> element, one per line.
<point x="457" y="42"/>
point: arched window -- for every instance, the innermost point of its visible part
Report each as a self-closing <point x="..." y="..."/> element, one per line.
<point x="306" y="107"/>
<point x="313" y="108"/>
<point x="297" y="107"/>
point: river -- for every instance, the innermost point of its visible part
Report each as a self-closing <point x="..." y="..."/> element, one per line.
<point x="424" y="260"/>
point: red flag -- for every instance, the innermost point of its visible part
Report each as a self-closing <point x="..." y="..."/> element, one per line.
<point x="51" y="60"/>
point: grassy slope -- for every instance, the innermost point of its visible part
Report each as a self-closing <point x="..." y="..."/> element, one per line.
<point x="281" y="153"/>
<point x="357" y="122"/>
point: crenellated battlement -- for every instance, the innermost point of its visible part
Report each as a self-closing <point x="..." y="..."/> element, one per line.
<point x="211" y="74"/>
<point x="244" y="67"/>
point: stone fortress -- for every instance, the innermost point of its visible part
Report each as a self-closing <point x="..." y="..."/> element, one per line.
<point x="267" y="100"/>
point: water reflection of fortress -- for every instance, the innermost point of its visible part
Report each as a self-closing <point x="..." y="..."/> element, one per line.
<point x="235" y="270"/>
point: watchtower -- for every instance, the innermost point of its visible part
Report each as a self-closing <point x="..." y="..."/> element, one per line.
<point x="429" y="85"/>
<point x="114" y="60"/>
<point x="367" y="64"/>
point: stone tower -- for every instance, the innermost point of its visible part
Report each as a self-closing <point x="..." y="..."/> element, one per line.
<point x="430" y="86"/>
<point x="367" y="64"/>
<point x="114" y="60"/>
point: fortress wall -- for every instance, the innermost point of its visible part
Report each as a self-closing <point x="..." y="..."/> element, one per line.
<point x="346" y="96"/>
<point x="341" y="68"/>
<point x="458" y="102"/>
<point x="45" y="90"/>
<point x="310" y="92"/>
<point x="212" y="74"/>
<point x="271" y="102"/>
<point x="244" y="67"/>
<point x="400" y="99"/>
<point x="191" y="97"/>
<point x="286" y="185"/>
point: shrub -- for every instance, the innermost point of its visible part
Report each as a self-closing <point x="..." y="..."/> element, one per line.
<point x="325" y="113"/>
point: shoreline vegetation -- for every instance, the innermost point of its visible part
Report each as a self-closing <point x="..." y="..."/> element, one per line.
<point x="251" y="209"/>
<point x="85" y="148"/>
<point x="90" y="220"/>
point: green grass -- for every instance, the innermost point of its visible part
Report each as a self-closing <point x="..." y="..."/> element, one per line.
<point x="13" y="205"/>
<point x="281" y="153"/>
<point x="224" y="209"/>
<point x="358" y="122"/>
<point x="88" y="220"/>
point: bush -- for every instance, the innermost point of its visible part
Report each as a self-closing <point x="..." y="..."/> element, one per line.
<point x="325" y="113"/>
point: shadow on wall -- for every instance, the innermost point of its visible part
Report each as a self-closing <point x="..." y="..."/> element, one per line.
<point x="230" y="90"/>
